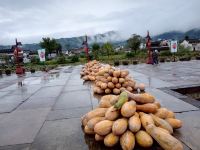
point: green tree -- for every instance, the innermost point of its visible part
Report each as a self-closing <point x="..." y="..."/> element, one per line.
<point x="95" y="50"/>
<point x="58" y="49"/>
<point x="49" y="44"/>
<point x="108" y="49"/>
<point x="134" y="42"/>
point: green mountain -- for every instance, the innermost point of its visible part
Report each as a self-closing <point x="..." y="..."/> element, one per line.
<point x="112" y="36"/>
<point x="177" y="35"/>
<point x="76" y="42"/>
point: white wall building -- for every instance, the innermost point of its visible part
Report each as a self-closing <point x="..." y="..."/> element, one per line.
<point x="192" y="44"/>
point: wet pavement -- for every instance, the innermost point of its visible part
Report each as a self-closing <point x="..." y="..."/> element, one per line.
<point x="44" y="114"/>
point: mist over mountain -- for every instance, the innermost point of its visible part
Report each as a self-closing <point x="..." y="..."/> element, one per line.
<point x="112" y="36"/>
<point x="177" y="35"/>
<point x="76" y="42"/>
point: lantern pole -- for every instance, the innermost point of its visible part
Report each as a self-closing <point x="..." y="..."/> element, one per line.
<point x="148" y="45"/>
<point x="85" y="43"/>
<point x="18" y="58"/>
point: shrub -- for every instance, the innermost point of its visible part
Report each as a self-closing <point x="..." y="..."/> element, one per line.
<point x="141" y="54"/>
<point x="162" y="60"/>
<point x="165" y="53"/>
<point x="74" y="59"/>
<point x="51" y="62"/>
<point x="185" y="58"/>
<point x="91" y="56"/>
<point x="195" y="53"/>
<point x="116" y="53"/>
<point x="184" y="52"/>
<point x="43" y="68"/>
<point x="32" y="70"/>
<point x="7" y="71"/>
<point x="125" y="62"/>
<point x="68" y="61"/>
<point x="135" y="62"/>
<point x="82" y="55"/>
<point x="61" y="60"/>
<point x="116" y="63"/>
<point x="35" y="60"/>
<point x="130" y="54"/>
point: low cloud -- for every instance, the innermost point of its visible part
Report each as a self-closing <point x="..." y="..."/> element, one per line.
<point x="33" y="19"/>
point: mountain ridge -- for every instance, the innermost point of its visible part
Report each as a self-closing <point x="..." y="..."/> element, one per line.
<point x="111" y="36"/>
<point x="179" y="35"/>
<point x="75" y="42"/>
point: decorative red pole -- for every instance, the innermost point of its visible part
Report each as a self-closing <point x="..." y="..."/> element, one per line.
<point x="148" y="45"/>
<point x="18" y="58"/>
<point x="86" y="48"/>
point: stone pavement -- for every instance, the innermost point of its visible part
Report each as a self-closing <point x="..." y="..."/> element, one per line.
<point x="44" y="114"/>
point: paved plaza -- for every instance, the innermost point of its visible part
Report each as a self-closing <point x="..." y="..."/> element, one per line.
<point x="44" y="113"/>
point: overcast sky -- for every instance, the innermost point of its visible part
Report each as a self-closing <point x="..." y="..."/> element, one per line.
<point x="30" y="20"/>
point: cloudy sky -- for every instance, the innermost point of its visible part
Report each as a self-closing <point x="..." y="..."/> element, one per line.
<point x="30" y="20"/>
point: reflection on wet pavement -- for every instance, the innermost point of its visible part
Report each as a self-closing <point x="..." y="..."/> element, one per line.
<point x="43" y="113"/>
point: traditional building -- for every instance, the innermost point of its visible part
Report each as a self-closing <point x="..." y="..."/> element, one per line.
<point x="6" y="51"/>
<point x="161" y="45"/>
<point x="74" y="51"/>
<point x="192" y="44"/>
<point x="11" y="51"/>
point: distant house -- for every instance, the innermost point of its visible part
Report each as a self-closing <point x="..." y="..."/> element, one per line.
<point x="67" y="52"/>
<point x="142" y="45"/>
<point x="117" y="49"/>
<point x="160" y="45"/>
<point x="11" y="50"/>
<point x="10" y="53"/>
<point x="6" y="51"/>
<point x="77" y="50"/>
<point x="192" y="44"/>
<point x="74" y="51"/>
